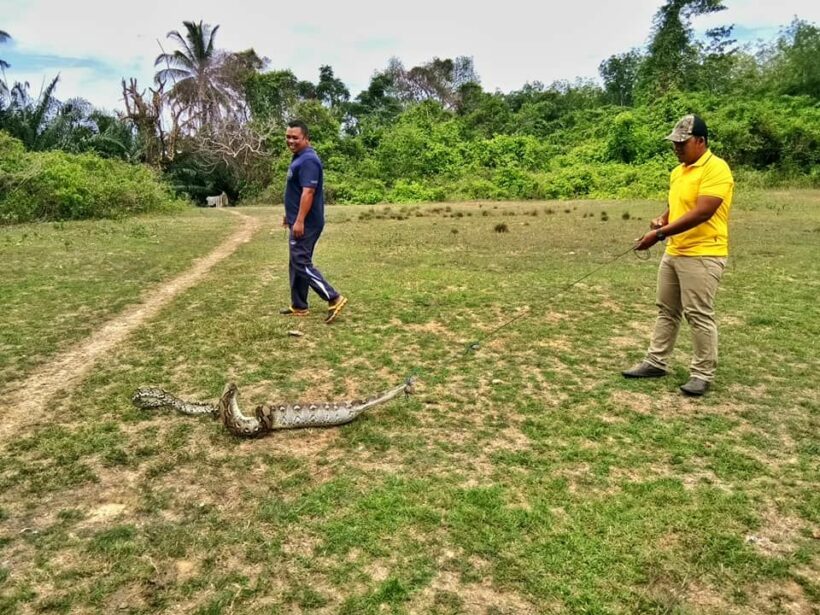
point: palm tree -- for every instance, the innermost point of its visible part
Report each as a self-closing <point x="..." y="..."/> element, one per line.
<point x="4" y="36"/>
<point x="194" y="71"/>
<point x="28" y="118"/>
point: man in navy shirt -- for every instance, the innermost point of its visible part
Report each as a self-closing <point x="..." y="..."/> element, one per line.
<point x="305" y="217"/>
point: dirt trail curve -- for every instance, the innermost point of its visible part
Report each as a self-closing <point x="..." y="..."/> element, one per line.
<point x="27" y="400"/>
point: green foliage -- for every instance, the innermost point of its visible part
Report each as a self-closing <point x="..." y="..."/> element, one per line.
<point x="413" y="192"/>
<point x="619" y="73"/>
<point x="672" y="55"/>
<point x="573" y="140"/>
<point x="627" y="141"/>
<point x="780" y="134"/>
<point x="27" y="118"/>
<point x="62" y="186"/>
<point x="367" y="191"/>
<point x="271" y="95"/>
<point x="795" y="68"/>
<point x="324" y="126"/>
<point x="191" y="175"/>
<point x="331" y="90"/>
<point x="430" y="132"/>
<point x="376" y="105"/>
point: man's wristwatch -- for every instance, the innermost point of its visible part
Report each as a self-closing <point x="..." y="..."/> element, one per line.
<point x="660" y="235"/>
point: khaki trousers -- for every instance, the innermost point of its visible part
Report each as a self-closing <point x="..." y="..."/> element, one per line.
<point x="687" y="286"/>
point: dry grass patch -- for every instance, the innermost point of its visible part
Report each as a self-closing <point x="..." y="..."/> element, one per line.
<point x="671" y="597"/>
<point x="642" y="403"/>
<point x="777" y="598"/>
<point x="779" y="535"/>
<point x="447" y="589"/>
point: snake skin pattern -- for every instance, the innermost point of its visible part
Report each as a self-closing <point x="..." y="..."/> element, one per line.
<point x="266" y="417"/>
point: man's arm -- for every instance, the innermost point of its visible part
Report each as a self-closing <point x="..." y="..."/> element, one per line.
<point x="305" y="203"/>
<point x="705" y="208"/>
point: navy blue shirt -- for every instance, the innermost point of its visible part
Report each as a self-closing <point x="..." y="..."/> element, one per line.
<point x="305" y="171"/>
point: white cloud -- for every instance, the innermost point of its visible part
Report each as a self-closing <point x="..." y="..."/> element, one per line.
<point x="512" y="42"/>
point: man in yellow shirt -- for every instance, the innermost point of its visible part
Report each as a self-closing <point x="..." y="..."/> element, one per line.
<point x="696" y="224"/>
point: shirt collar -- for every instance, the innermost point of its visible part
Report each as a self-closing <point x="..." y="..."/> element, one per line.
<point x="702" y="160"/>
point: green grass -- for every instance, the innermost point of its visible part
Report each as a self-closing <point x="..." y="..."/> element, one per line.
<point x="526" y="477"/>
<point x="60" y="281"/>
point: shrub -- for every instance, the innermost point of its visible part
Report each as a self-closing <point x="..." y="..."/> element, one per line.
<point x="414" y="192"/>
<point x="516" y="183"/>
<point x="60" y="186"/>
<point x="357" y="190"/>
<point x="470" y="188"/>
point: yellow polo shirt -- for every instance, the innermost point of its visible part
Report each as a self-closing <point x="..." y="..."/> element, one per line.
<point x="709" y="176"/>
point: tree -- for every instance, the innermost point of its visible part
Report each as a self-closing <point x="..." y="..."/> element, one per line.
<point x="795" y="63"/>
<point x="619" y="73"/>
<point x="69" y="128"/>
<point x="438" y="80"/>
<point x="27" y="118"/>
<point x="114" y="137"/>
<point x="157" y="125"/>
<point x="194" y="72"/>
<point x="272" y="96"/>
<point x="671" y="60"/>
<point x="718" y="60"/>
<point x="482" y="113"/>
<point x="4" y="36"/>
<point x="379" y="104"/>
<point x="235" y="68"/>
<point x="330" y="90"/>
<point x="210" y="111"/>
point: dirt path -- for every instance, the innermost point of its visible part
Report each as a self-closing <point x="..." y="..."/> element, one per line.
<point x="27" y="400"/>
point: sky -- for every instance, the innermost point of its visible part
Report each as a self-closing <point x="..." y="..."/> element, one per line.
<point x="93" y="44"/>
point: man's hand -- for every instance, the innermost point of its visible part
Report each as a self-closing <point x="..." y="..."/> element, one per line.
<point x="660" y="221"/>
<point x="647" y="241"/>
<point x="298" y="229"/>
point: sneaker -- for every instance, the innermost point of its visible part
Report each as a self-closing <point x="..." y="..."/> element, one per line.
<point x="292" y="311"/>
<point x="334" y="309"/>
<point x="644" y="370"/>
<point x="695" y="387"/>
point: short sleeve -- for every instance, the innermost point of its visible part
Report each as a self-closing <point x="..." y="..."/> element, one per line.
<point x="717" y="181"/>
<point x="309" y="174"/>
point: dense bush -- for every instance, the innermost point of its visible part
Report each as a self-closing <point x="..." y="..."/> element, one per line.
<point x="59" y="186"/>
<point x="599" y="151"/>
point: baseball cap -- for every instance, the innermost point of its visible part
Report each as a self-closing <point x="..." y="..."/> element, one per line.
<point x="688" y="126"/>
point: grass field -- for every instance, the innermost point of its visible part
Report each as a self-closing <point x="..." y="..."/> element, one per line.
<point x="527" y="477"/>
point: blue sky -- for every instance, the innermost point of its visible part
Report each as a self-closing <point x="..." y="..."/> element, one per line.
<point x="94" y="44"/>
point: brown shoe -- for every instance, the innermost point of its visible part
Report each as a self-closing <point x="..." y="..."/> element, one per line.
<point x="292" y="311"/>
<point x="695" y="387"/>
<point x="334" y="309"/>
<point x="644" y="370"/>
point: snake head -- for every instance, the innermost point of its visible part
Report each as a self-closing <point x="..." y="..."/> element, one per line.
<point x="229" y="394"/>
<point x="410" y="385"/>
<point x="230" y="389"/>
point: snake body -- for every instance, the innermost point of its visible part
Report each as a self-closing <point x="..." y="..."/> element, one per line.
<point x="266" y="417"/>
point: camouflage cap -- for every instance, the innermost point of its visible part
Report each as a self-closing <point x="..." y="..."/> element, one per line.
<point x="688" y="126"/>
